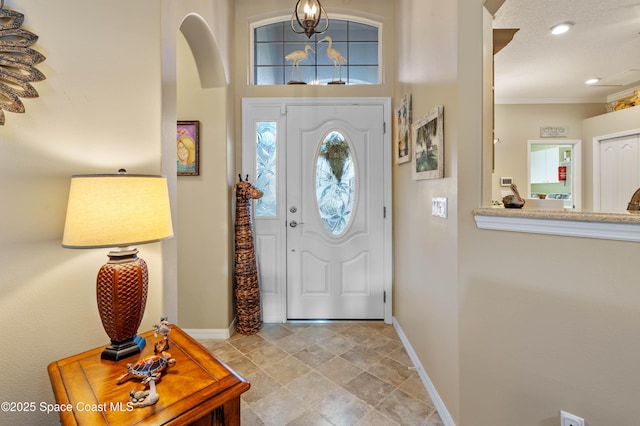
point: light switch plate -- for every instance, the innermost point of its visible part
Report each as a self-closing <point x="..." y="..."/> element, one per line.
<point x="439" y="207"/>
<point x="568" y="419"/>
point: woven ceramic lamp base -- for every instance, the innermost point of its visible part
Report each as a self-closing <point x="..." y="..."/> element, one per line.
<point x="122" y="295"/>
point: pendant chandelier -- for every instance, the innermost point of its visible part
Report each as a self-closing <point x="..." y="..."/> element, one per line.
<point x="307" y="14"/>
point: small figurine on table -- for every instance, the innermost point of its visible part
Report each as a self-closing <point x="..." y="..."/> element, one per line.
<point x="148" y="369"/>
<point x="162" y="328"/>
<point x="144" y="398"/>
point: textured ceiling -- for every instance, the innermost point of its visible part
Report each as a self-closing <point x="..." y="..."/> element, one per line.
<point x="537" y="67"/>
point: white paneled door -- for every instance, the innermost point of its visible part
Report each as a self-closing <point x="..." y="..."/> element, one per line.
<point x="323" y="227"/>
<point x="335" y="212"/>
<point x="619" y="172"/>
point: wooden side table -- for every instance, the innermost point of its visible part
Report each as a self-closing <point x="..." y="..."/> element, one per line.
<point x="199" y="389"/>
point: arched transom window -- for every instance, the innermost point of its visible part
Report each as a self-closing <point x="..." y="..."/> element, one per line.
<point x="348" y="53"/>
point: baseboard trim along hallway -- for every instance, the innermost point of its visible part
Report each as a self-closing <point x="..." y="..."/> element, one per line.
<point x="428" y="384"/>
<point x="211" y="333"/>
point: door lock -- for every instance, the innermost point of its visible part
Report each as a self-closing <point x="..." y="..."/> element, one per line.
<point x="293" y="209"/>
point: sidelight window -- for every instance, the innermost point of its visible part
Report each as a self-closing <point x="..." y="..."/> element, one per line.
<point x="266" y="149"/>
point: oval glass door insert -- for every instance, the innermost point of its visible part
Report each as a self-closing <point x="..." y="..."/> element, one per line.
<point x="335" y="182"/>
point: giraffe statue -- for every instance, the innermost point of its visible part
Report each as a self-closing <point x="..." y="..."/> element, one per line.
<point x="247" y="290"/>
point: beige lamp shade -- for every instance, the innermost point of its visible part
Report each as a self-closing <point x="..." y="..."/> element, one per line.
<point x="117" y="210"/>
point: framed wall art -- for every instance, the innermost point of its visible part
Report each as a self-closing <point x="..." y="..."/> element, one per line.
<point x="403" y="130"/>
<point x="188" y="148"/>
<point x="428" y="145"/>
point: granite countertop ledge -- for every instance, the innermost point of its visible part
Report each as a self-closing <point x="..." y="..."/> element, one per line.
<point x="606" y="226"/>
<point x="633" y="218"/>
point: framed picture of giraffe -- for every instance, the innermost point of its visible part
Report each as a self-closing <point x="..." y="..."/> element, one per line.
<point x="188" y="148"/>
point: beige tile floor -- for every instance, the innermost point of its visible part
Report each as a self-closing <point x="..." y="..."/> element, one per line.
<point x="337" y="373"/>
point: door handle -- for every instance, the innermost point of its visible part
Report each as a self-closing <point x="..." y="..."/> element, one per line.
<point x="293" y="223"/>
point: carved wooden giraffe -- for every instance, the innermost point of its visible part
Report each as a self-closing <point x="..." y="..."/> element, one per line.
<point x="247" y="289"/>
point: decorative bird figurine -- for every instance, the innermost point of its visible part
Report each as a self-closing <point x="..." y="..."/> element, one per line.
<point x="164" y="329"/>
<point x="514" y="201"/>
<point x="296" y="56"/>
<point x="336" y="57"/>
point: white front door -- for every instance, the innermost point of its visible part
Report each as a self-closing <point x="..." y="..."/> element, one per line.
<point x="323" y="234"/>
<point x="335" y="212"/>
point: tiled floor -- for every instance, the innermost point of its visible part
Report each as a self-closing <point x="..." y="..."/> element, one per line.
<point x="338" y="373"/>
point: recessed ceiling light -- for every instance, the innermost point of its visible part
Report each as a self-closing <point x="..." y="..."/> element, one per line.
<point x="561" y="28"/>
<point x="592" y="81"/>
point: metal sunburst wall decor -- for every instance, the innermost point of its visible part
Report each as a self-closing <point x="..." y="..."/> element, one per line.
<point x="17" y="62"/>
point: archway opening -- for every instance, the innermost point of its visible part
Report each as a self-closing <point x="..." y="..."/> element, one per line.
<point x="203" y="200"/>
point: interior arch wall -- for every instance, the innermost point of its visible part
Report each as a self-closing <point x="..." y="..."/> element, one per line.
<point x="205" y="52"/>
<point x="202" y="224"/>
<point x="197" y="284"/>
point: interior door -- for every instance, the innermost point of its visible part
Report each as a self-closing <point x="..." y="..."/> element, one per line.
<point x="335" y="212"/>
<point x="544" y="157"/>
<point x="619" y="174"/>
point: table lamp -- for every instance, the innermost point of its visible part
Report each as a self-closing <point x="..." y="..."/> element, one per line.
<point x="119" y="210"/>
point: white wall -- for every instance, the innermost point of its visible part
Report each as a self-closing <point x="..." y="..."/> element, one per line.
<point x="426" y="247"/>
<point x="98" y="111"/>
<point x="109" y="101"/>
<point x="204" y="201"/>
<point x="511" y="328"/>
<point x="211" y="24"/>
<point x="546" y="323"/>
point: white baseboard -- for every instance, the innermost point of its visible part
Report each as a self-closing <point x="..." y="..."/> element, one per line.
<point x="447" y="420"/>
<point x="212" y="333"/>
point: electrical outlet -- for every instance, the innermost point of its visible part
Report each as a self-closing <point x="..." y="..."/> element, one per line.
<point x="439" y="207"/>
<point x="568" y="419"/>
